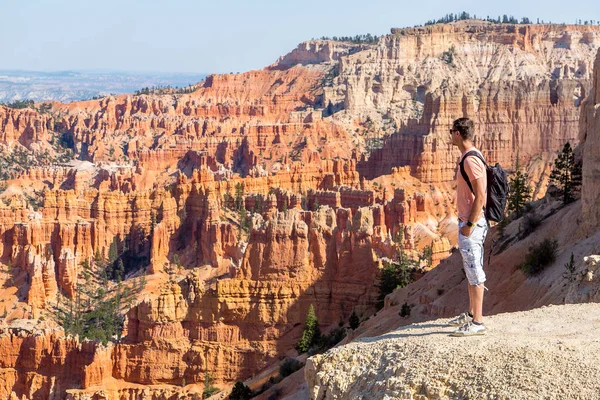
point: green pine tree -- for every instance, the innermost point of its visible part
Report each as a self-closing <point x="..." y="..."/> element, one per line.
<point x="519" y="193"/>
<point x="566" y="174"/>
<point x="152" y="221"/>
<point x="354" y="320"/>
<point x="209" y="389"/>
<point x="119" y="271"/>
<point x="311" y="333"/>
<point x="177" y="261"/>
<point x="113" y="252"/>
<point x="393" y="275"/>
<point x="239" y="195"/>
<point x="258" y="205"/>
<point x="570" y="271"/>
<point x="427" y="255"/>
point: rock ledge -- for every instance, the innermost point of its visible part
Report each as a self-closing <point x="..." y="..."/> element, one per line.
<point x="548" y="353"/>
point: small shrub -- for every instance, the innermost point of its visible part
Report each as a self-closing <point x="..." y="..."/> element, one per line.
<point x="539" y="257"/>
<point x="269" y="384"/>
<point x="19" y="104"/>
<point x="209" y="389"/>
<point x="266" y="386"/>
<point x="240" y="392"/>
<point x="440" y="292"/>
<point x="448" y="56"/>
<point x="394" y="275"/>
<point x="276" y="393"/>
<point x="331" y="339"/>
<point x="502" y="225"/>
<point x="405" y="310"/>
<point x="529" y="224"/>
<point x="289" y="366"/>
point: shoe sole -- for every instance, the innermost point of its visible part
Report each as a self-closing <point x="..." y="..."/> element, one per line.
<point x="460" y="324"/>
<point x="457" y="323"/>
<point x="461" y="334"/>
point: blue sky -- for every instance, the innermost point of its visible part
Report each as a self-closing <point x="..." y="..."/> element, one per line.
<point x="217" y="36"/>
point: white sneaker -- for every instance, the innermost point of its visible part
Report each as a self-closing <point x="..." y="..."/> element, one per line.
<point x="460" y="320"/>
<point x="470" y="329"/>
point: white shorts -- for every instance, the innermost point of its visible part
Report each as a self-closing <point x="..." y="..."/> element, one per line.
<point x="471" y="249"/>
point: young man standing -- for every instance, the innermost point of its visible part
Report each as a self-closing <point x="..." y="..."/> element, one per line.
<point x="472" y="227"/>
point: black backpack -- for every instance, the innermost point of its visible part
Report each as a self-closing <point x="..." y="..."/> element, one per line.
<point x="497" y="187"/>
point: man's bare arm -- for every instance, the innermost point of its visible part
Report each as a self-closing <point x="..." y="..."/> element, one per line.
<point x="479" y="189"/>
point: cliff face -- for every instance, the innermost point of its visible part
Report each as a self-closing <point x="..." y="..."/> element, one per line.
<point x="292" y="259"/>
<point x="590" y="134"/>
<point x="318" y="52"/>
<point x="43" y="363"/>
<point x="237" y="325"/>
<point x="519" y="84"/>
<point x="23" y="127"/>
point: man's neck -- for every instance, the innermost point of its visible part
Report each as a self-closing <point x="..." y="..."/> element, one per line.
<point x="465" y="146"/>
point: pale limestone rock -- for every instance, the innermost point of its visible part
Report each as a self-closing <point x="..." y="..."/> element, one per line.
<point x="421" y="361"/>
<point x="593" y="264"/>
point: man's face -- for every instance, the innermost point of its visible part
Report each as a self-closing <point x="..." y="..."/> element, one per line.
<point x="454" y="136"/>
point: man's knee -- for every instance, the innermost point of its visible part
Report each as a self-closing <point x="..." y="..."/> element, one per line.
<point x="480" y="285"/>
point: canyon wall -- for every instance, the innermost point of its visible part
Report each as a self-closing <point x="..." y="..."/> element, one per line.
<point x="41" y="363"/>
<point x="522" y="86"/>
<point x="590" y="134"/>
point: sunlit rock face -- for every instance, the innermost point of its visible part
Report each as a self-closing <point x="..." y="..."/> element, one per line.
<point x="590" y="134"/>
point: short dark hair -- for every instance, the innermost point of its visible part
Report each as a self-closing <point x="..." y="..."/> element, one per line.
<point x="466" y="128"/>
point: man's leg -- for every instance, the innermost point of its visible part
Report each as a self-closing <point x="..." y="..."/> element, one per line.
<point x="471" y="298"/>
<point x="477" y="302"/>
<point x="471" y="249"/>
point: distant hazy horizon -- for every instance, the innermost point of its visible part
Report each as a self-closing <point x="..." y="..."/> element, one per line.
<point x="101" y="71"/>
<point x="74" y="85"/>
<point x="186" y="36"/>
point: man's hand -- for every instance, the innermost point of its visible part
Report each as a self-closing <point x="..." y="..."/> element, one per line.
<point x="466" y="230"/>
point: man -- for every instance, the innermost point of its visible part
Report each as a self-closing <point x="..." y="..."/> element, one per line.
<point x="472" y="227"/>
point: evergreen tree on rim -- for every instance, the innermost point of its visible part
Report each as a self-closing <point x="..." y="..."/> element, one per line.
<point x="519" y="191"/>
<point x="566" y="174"/>
<point x="311" y="333"/>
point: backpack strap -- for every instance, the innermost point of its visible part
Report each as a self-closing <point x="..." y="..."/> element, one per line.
<point x="462" y="167"/>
